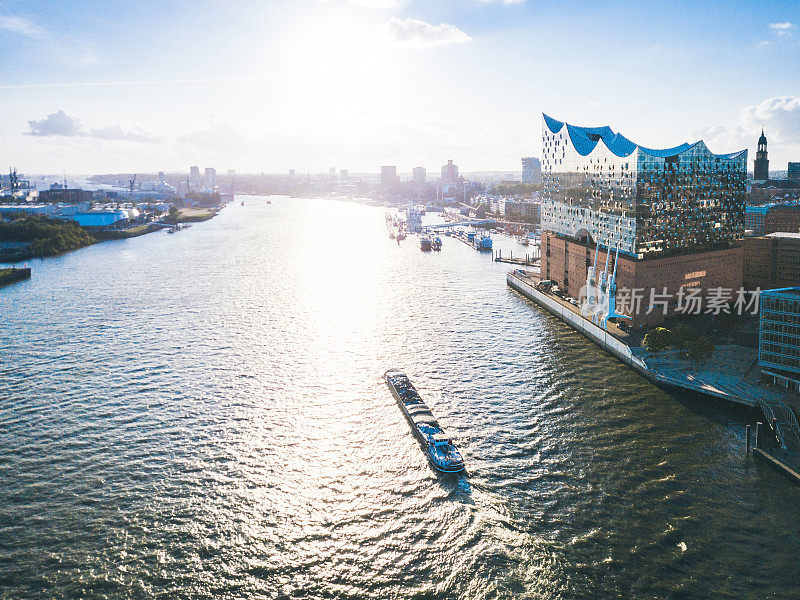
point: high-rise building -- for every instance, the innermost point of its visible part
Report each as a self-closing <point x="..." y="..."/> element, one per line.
<point x="761" y="164"/>
<point x="211" y="178"/>
<point x="793" y="172"/>
<point x="194" y="178"/>
<point x="675" y="216"/>
<point x="418" y="176"/>
<point x="449" y="173"/>
<point x="343" y="174"/>
<point x="389" y="175"/>
<point x="531" y="170"/>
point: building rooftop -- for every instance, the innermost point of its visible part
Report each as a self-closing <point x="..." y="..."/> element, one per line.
<point x="585" y="139"/>
<point x="785" y="234"/>
<point x="786" y="292"/>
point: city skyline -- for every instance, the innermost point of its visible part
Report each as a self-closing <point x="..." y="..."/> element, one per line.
<point x="363" y="83"/>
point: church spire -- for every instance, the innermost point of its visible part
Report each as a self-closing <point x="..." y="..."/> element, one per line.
<point x="761" y="166"/>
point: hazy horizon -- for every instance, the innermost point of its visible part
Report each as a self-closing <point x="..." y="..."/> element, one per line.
<point x="93" y="87"/>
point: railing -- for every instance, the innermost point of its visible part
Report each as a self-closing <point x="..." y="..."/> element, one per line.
<point x="784" y="420"/>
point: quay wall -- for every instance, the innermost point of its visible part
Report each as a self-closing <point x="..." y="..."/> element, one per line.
<point x="611" y="344"/>
<point x="589" y="329"/>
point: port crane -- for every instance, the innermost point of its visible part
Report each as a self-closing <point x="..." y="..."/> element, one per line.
<point x="130" y="184"/>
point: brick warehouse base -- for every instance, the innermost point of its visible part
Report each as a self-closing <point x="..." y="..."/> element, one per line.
<point x="566" y="262"/>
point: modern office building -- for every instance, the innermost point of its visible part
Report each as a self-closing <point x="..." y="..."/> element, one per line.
<point x="761" y="163"/>
<point x="531" y="170"/>
<point x="211" y="178"/>
<point x="389" y="175"/>
<point x="449" y="173"/>
<point x="793" y="172"/>
<point x="779" y="337"/>
<point x="772" y="261"/>
<point x="195" y="183"/>
<point x="675" y="216"/>
<point x="419" y="176"/>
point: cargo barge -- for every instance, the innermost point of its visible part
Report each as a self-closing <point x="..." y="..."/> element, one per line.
<point x="440" y="450"/>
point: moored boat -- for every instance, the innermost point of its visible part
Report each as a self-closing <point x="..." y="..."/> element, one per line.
<point x="436" y="244"/>
<point x="425" y="243"/>
<point x="440" y="450"/>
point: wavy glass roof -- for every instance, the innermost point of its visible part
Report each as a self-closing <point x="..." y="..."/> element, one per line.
<point x="585" y="139"/>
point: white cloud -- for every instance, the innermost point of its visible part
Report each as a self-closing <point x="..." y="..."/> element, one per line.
<point x="60" y="124"/>
<point x="780" y="117"/>
<point x="375" y="3"/>
<point x="56" y="124"/>
<point x="505" y="1"/>
<point x="782" y="29"/>
<point x="115" y="132"/>
<point x="413" y="32"/>
<point x="21" y="26"/>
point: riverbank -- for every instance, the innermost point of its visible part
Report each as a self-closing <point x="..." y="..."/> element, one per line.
<point x="727" y="375"/>
<point x="196" y="215"/>
<point x="12" y="275"/>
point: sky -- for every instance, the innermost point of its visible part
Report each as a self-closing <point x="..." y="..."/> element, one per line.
<point x="267" y="86"/>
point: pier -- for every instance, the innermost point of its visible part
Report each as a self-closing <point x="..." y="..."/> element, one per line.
<point x="531" y="259"/>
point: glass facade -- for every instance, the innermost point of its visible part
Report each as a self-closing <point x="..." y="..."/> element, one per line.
<point x="779" y="335"/>
<point x="649" y="203"/>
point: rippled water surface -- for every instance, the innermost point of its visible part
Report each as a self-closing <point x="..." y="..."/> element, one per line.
<point x="202" y="414"/>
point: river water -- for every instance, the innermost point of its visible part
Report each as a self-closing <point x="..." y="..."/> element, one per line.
<point x="202" y="415"/>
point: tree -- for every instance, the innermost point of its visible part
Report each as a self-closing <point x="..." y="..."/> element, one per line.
<point x="658" y="339"/>
<point x="698" y="349"/>
<point x="726" y="322"/>
<point x="681" y="334"/>
<point x="174" y="212"/>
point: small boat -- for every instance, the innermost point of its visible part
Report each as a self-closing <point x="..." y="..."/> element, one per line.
<point x="242" y="202"/>
<point x="425" y="243"/>
<point x="391" y="235"/>
<point x="484" y="244"/>
<point x="401" y="235"/>
<point x="436" y="244"/>
<point x="440" y="450"/>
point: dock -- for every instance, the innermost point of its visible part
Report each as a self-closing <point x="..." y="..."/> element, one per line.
<point x="530" y="260"/>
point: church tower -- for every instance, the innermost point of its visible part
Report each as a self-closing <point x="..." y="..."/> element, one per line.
<point x="761" y="167"/>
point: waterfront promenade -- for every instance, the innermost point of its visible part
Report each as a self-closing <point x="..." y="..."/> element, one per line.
<point x="729" y="374"/>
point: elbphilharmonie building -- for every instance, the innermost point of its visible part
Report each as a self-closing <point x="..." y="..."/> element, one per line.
<point x="676" y="215"/>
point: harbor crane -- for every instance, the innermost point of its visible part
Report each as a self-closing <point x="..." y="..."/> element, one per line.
<point x="130" y="184"/>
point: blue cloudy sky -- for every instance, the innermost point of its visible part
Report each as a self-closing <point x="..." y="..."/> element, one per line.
<point x="308" y="84"/>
